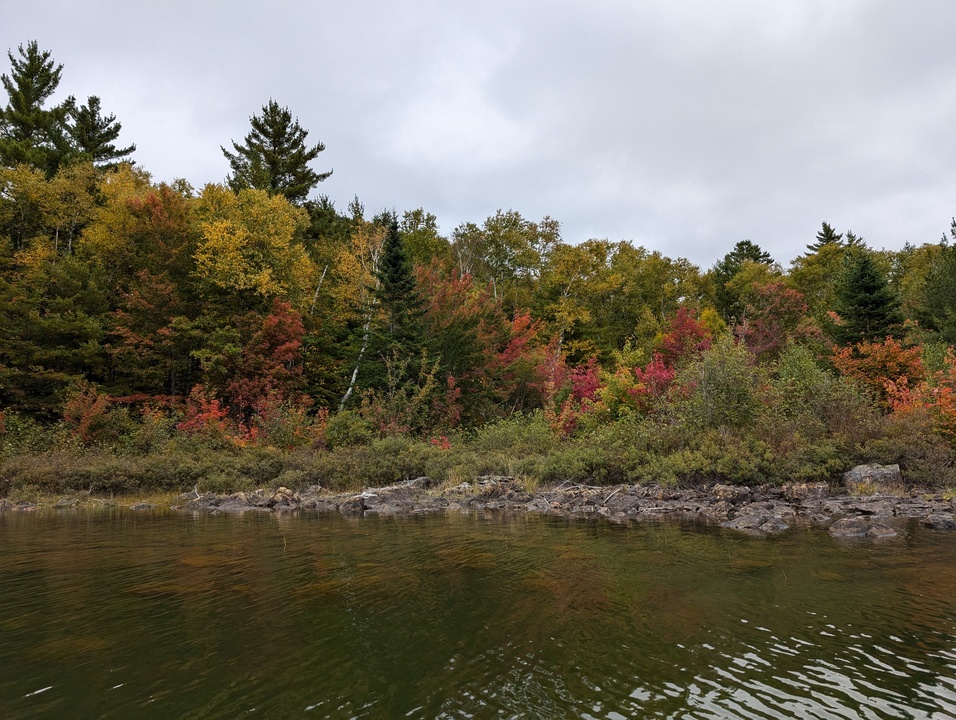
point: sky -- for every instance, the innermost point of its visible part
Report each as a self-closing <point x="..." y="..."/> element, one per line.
<point x="684" y="126"/>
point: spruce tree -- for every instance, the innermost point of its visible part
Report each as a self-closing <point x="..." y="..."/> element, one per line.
<point x="397" y="334"/>
<point x="726" y="301"/>
<point x="274" y="156"/>
<point x="869" y="309"/>
<point x="30" y="133"/>
<point x="93" y="134"/>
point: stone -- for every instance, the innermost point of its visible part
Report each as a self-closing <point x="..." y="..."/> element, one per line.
<point x="873" y="474"/>
<point x="746" y="522"/>
<point x="881" y="530"/>
<point x="731" y="493"/>
<point x="142" y="506"/>
<point x="355" y="506"/>
<point x="849" y="527"/>
<point x="806" y="491"/>
<point x="939" y="521"/>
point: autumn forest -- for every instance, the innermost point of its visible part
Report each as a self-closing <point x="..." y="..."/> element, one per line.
<point x="158" y="336"/>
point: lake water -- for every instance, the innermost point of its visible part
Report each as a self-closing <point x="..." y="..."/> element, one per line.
<point x="121" y="614"/>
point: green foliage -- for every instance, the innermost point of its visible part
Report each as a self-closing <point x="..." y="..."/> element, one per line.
<point x="869" y="310"/>
<point x="274" y="156"/>
<point x="719" y="389"/>
<point x="93" y="134"/>
<point x="31" y="133"/>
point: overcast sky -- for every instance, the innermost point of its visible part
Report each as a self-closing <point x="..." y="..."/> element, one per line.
<point x="681" y="125"/>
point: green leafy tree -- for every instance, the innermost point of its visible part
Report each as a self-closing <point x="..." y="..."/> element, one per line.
<point x="93" y="134"/>
<point x="868" y="309"/>
<point x="937" y="309"/>
<point x="31" y="133"/>
<point x="275" y="157"/>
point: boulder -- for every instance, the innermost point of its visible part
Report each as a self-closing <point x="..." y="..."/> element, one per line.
<point x="880" y="530"/>
<point x="873" y="474"/>
<point x="849" y="527"/>
<point x="939" y="521"/>
<point x="806" y="491"/>
<point x="731" y="493"/>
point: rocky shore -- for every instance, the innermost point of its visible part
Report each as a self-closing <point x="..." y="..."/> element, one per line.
<point x="871" y="504"/>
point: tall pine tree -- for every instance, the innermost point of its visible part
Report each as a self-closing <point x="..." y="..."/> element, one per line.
<point x="93" y="134"/>
<point x="869" y="309"/>
<point x="274" y="156"/>
<point x="31" y="133"/>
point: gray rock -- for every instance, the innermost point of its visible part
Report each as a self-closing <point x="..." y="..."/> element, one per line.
<point x="774" y="526"/>
<point x="939" y="521"/>
<point x="873" y="474"/>
<point x="806" y="491"/>
<point x="142" y="506"/>
<point x="746" y="522"/>
<point x="881" y="530"/>
<point x="731" y="493"/>
<point x="849" y="527"/>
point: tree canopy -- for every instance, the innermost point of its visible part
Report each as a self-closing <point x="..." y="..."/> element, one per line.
<point x="275" y="157"/>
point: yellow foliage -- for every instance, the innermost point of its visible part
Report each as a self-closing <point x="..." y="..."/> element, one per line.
<point x="249" y="243"/>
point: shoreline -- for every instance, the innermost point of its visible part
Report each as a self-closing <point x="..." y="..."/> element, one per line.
<point x="761" y="511"/>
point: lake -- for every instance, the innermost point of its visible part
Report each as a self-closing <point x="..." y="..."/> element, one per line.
<point x="122" y="614"/>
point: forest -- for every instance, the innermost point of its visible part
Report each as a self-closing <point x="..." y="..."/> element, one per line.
<point x="157" y="336"/>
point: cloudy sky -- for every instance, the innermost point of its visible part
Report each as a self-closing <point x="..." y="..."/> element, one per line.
<point x="680" y="125"/>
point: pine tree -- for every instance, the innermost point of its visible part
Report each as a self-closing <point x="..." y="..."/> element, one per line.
<point x="869" y="309"/>
<point x="826" y="236"/>
<point x="274" y="156"/>
<point x="93" y="134"/>
<point x="29" y="133"/>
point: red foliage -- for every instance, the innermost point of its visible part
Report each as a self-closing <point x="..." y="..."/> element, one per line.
<point x="654" y="380"/>
<point x="84" y="412"/>
<point x="269" y="368"/>
<point x="770" y="318"/>
<point x="684" y="337"/>
<point x="204" y="415"/>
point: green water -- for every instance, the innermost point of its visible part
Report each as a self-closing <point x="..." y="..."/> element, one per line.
<point x="130" y="615"/>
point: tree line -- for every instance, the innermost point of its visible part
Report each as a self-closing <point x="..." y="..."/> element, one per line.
<point x="254" y="311"/>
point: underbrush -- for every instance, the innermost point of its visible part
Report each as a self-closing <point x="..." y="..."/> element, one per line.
<point x="800" y="440"/>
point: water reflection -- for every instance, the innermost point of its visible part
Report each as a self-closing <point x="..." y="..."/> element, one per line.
<point x="117" y="614"/>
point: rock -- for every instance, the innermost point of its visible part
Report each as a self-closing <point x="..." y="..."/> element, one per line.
<point x="849" y="527"/>
<point x="939" y="521"/>
<point x="746" y="522"/>
<point x="880" y="530"/>
<point x="142" y="506"/>
<point x="806" y="491"/>
<point x="874" y="474"/>
<point x="355" y="506"/>
<point x="774" y="526"/>
<point x="883" y="508"/>
<point x="66" y="503"/>
<point x="731" y="493"/>
<point x="538" y="505"/>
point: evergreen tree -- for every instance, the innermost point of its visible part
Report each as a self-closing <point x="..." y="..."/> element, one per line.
<point x="397" y="335"/>
<point x="826" y="236"/>
<point x="937" y="307"/>
<point x="868" y="307"/>
<point x="93" y="134"/>
<point x="725" y="299"/>
<point x="397" y="294"/>
<point x="274" y="156"/>
<point x="30" y="133"/>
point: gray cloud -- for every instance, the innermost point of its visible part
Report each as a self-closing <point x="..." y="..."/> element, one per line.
<point x="684" y="125"/>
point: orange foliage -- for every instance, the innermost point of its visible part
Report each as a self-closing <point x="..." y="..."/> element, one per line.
<point x="877" y="365"/>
